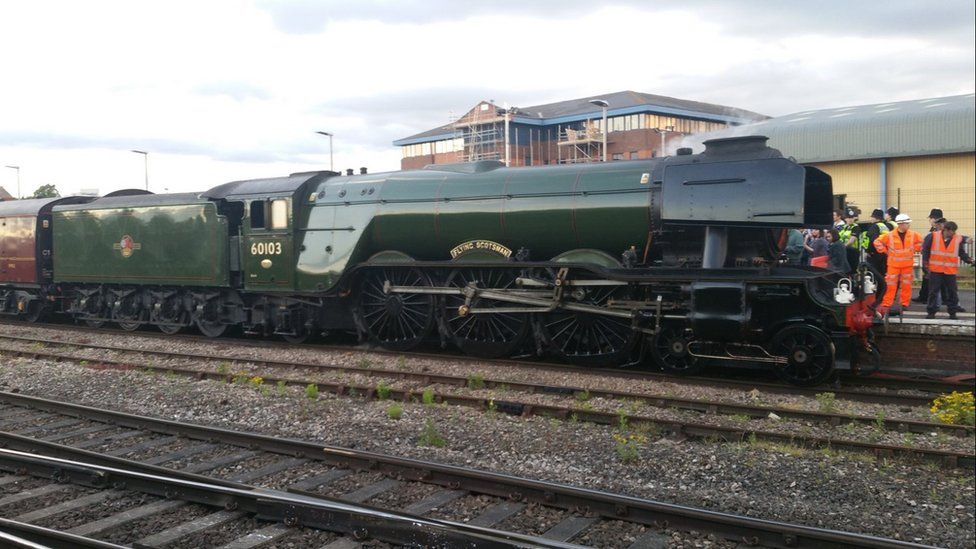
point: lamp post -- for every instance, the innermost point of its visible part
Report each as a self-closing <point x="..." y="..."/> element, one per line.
<point x="18" y="178"/>
<point x="145" y="159"/>
<point x="603" y="104"/>
<point x="329" y="135"/>
<point x="663" y="133"/>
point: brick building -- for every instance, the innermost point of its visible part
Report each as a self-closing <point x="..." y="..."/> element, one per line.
<point x="639" y="125"/>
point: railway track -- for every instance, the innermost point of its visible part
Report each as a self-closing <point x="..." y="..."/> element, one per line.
<point x="848" y="386"/>
<point x="103" y="449"/>
<point x="579" y="411"/>
<point x="187" y="505"/>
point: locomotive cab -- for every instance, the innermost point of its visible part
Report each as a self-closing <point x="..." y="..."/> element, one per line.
<point x="267" y="243"/>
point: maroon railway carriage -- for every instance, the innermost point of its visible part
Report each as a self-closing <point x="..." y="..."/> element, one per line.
<point x="26" y="255"/>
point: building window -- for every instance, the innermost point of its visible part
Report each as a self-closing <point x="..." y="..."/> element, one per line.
<point x="618" y="156"/>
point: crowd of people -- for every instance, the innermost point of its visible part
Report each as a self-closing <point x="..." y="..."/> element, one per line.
<point x="888" y="245"/>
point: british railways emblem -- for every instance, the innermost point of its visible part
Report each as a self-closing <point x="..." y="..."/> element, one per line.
<point x="127" y="246"/>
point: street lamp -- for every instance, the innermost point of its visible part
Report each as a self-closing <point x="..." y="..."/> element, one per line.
<point x="329" y="135"/>
<point x="663" y="133"/>
<point x="18" y="178"/>
<point x="145" y="158"/>
<point x="602" y="103"/>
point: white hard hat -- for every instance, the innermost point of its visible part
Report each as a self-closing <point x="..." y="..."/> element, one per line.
<point x="903" y="218"/>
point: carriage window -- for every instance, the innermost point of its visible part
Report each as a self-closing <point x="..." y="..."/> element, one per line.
<point x="279" y="214"/>
<point x="257" y="214"/>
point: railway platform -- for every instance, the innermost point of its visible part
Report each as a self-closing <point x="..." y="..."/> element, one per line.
<point x="940" y="347"/>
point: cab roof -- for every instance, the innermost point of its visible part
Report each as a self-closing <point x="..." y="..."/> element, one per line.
<point x="264" y="187"/>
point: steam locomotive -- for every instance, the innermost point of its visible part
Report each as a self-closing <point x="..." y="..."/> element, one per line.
<point x="596" y="264"/>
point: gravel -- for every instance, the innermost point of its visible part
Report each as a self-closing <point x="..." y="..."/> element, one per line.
<point x="251" y="350"/>
<point x="870" y="433"/>
<point x="826" y="489"/>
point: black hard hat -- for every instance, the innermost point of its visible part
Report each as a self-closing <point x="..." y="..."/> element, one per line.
<point x="893" y="212"/>
<point x="850" y="213"/>
<point x="936" y="213"/>
<point x="877" y="213"/>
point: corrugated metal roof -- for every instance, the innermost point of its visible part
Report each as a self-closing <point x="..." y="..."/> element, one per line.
<point x="622" y="102"/>
<point x="939" y="125"/>
<point x="624" y="99"/>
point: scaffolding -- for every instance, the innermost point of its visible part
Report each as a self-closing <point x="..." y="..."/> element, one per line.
<point x="580" y="145"/>
<point x="483" y="132"/>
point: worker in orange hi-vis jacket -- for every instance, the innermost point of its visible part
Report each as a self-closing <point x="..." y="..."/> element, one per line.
<point x="900" y="245"/>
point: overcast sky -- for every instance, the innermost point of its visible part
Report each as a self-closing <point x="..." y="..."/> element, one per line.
<point x="224" y="90"/>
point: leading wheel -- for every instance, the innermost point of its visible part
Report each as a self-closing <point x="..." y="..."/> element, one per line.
<point x="488" y="334"/>
<point x="398" y="321"/>
<point x="809" y="354"/>
<point x="669" y="347"/>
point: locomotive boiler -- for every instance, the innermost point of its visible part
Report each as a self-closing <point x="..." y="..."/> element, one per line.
<point x="601" y="264"/>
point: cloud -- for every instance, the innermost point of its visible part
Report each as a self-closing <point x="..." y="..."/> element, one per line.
<point x="383" y="118"/>
<point x="155" y="145"/>
<point x="946" y="19"/>
<point x="239" y="91"/>
<point x="778" y="88"/>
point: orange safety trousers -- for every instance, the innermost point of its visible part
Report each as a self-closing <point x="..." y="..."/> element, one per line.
<point x="892" y="278"/>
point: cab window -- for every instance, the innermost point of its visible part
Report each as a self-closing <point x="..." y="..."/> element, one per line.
<point x="256" y="214"/>
<point x="279" y="214"/>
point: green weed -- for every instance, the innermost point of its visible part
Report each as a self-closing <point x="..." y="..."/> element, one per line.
<point x="827" y="402"/>
<point x="383" y="391"/>
<point x="394" y="411"/>
<point x="430" y="437"/>
<point x="476" y="381"/>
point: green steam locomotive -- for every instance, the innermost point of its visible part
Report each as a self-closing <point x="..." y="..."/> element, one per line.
<point x="596" y="264"/>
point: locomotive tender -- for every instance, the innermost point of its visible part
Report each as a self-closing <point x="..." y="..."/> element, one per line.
<point x="596" y="264"/>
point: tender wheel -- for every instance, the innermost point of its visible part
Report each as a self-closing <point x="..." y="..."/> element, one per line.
<point x="396" y="321"/>
<point x="169" y="329"/>
<point x="589" y="339"/>
<point x="809" y="353"/>
<point x="211" y="328"/>
<point x="669" y="347"/>
<point x="487" y="335"/>
<point x="129" y="315"/>
<point x="169" y="317"/>
<point x="92" y="306"/>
